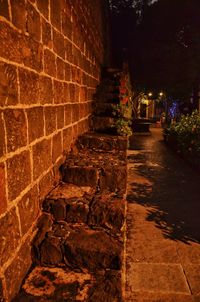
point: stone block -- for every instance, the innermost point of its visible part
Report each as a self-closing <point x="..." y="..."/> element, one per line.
<point x="41" y="157"/>
<point x="8" y="84"/>
<point x="10" y="43"/>
<point x="18" y="10"/>
<point x="2" y="135"/>
<point x="9" y="235"/>
<point x="17" y="270"/>
<point x="86" y="248"/>
<point x="28" y="208"/>
<point x="66" y="26"/>
<point x="4" y="9"/>
<point x="82" y="176"/>
<point x="56" y="146"/>
<point x="16" y="129"/>
<point x="3" y="204"/>
<point x="68" y="51"/>
<point x="49" y="63"/>
<point x="43" y="7"/>
<point x="33" y="23"/>
<point x="58" y="44"/>
<point x="66" y="93"/>
<point x="55" y="284"/>
<point x="35" y="117"/>
<point x="55" y="9"/>
<point x="75" y="113"/>
<point x="18" y="174"/>
<point x="107" y="211"/>
<point x="2" y="297"/>
<point x="45" y="90"/>
<point x="60" y="117"/>
<point x="32" y="53"/>
<point x="58" y="92"/>
<point x="102" y="123"/>
<point x="67" y="72"/>
<point x="46" y="184"/>
<point x="72" y="93"/>
<point x="29" y="87"/>
<point x="68" y="114"/>
<point x="50" y="120"/>
<point x="51" y="253"/>
<point x="60" y="68"/>
<point x="46" y="32"/>
<point x="67" y="139"/>
<point x="97" y="141"/>
<point x="113" y="178"/>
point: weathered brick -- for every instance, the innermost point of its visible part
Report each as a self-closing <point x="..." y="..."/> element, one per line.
<point x="43" y="6"/>
<point x="16" y="128"/>
<point x="68" y="75"/>
<point x="8" y="85"/>
<point x="68" y="114"/>
<point x="31" y="53"/>
<point x="60" y="68"/>
<point x="75" y="113"/>
<point x="46" y="33"/>
<point x="68" y="51"/>
<point x="18" y="9"/>
<point x="72" y="92"/>
<point x="41" y="157"/>
<point x="9" y="235"/>
<point x="28" y="208"/>
<point x="50" y="119"/>
<point x="2" y="136"/>
<point x="66" y="93"/>
<point x="49" y="63"/>
<point x="57" y="146"/>
<point x="35" y="117"/>
<point x="46" y="184"/>
<point x="60" y="117"/>
<point x="10" y="43"/>
<point x="55" y="9"/>
<point x="45" y="90"/>
<point x="29" y="87"/>
<point x="67" y="139"/>
<point x="33" y="24"/>
<point x="58" y="44"/>
<point x="58" y="92"/>
<point x="66" y="25"/>
<point x="19" y="174"/>
<point x="18" y="269"/>
<point x="4" y="8"/>
<point x="3" y="203"/>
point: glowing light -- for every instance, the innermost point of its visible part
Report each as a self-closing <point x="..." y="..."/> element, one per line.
<point x="150" y="94"/>
<point x="161" y="94"/>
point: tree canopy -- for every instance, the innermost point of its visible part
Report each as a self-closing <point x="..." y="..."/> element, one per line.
<point x="163" y="42"/>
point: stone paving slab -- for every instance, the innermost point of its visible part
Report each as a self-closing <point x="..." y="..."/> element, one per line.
<point x="152" y="297"/>
<point x="192" y="273"/>
<point x="162" y="278"/>
<point x="163" y="227"/>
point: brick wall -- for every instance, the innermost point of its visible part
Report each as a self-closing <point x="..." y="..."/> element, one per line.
<point x="50" y="57"/>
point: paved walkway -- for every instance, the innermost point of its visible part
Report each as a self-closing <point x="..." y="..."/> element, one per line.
<point x="163" y="224"/>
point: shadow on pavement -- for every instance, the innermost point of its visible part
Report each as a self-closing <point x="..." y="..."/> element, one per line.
<point x="167" y="186"/>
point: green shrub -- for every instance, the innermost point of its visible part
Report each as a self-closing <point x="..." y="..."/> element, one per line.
<point x="185" y="134"/>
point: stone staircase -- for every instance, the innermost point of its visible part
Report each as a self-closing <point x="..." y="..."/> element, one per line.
<point x="78" y="249"/>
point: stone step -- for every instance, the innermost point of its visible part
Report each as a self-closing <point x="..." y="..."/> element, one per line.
<point x="104" y="108"/>
<point x="95" y="141"/>
<point x="102" y="123"/>
<point x="58" y="285"/>
<point x="104" y="210"/>
<point x="101" y="170"/>
<point x="78" y="246"/>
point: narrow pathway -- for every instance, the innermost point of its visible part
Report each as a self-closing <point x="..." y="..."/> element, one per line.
<point x="163" y="224"/>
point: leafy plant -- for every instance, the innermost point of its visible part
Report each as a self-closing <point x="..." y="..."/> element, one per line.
<point x="185" y="134"/>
